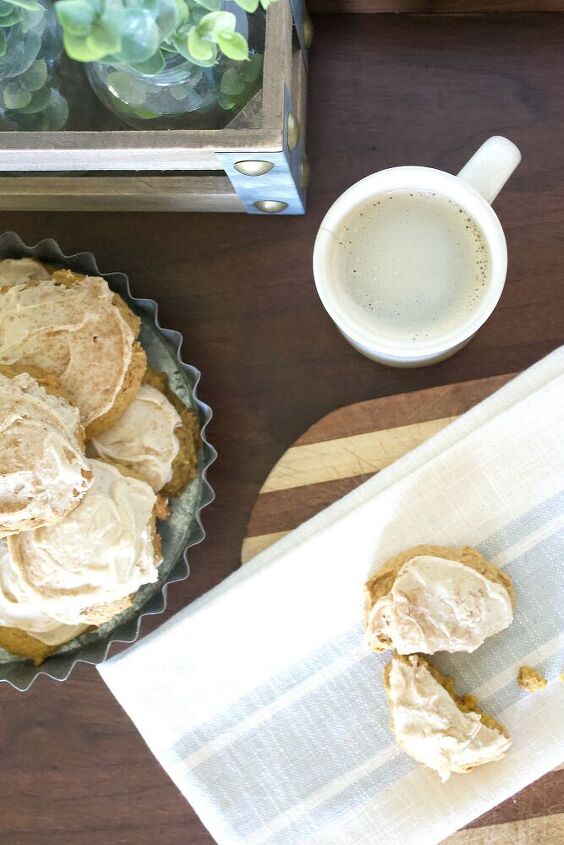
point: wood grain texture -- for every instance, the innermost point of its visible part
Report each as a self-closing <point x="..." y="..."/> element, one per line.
<point x="384" y="90"/>
<point x="433" y="7"/>
<point x="546" y="829"/>
<point x="340" y="451"/>
<point x="389" y="412"/>
<point x="121" y="193"/>
<point x="361" y="454"/>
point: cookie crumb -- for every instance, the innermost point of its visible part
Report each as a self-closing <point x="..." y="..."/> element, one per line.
<point x="161" y="508"/>
<point x="530" y="680"/>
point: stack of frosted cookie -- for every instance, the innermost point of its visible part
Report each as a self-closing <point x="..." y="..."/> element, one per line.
<point x="427" y="600"/>
<point x="92" y="443"/>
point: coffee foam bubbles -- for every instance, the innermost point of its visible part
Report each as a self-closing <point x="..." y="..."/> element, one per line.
<point x="411" y="265"/>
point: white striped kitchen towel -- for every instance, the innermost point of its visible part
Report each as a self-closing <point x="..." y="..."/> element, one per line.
<point x="264" y="706"/>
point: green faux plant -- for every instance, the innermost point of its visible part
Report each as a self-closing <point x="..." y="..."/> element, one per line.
<point x="18" y="12"/>
<point x="27" y="100"/>
<point x="140" y="41"/>
<point x="24" y="14"/>
<point x="140" y="34"/>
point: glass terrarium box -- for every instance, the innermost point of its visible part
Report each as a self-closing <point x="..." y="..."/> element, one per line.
<point x="195" y="105"/>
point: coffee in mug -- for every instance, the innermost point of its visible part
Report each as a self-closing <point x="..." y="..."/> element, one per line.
<point x="415" y="263"/>
<point x="411" y="261"/>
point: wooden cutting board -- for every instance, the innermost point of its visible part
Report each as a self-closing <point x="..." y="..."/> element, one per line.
<point x="336" y="455"/>
<point x="348" y="446"/>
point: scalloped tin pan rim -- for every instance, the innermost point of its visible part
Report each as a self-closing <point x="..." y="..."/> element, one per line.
<point x="21" y="674"/>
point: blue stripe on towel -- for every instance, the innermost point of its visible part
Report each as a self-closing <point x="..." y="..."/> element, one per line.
<point x="269" y="692"/>
<point x="523" y="526"/>
<point x="322" y="742"/>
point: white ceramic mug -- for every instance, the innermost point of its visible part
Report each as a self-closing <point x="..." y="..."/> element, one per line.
<point x="475" y="187"/>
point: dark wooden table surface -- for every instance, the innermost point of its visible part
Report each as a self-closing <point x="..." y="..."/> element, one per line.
<point x="384" y="90"/>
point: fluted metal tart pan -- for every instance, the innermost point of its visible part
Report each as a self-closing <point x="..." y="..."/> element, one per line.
<point x="179" y="533"/>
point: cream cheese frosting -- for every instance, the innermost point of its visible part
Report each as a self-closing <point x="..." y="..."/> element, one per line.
<point x="143" y="438"/>
<point x="437" y="604"/>
<point x="431" y="728"/>
<point x="74" y="332"/>
<point x="43" y="470"/>
<point x="23" y="610"/>
<point x="100" y="553"/>
<point x="20" y="271"/>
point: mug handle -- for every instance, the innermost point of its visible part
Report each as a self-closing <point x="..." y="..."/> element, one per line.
<point x="491" y="166"/>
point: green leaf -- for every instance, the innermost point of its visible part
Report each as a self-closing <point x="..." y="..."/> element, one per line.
<point x="75" y="16"/>
<point x="197" y="12"/>
<point x="180" y="44"/>
<point x="111" y="11"/>
<point x="105" y="35"/>
<point x="234" y="46"/>
<point x="54" y="116"/>
<point x="226" y="102"/>
<point x="124" y="88"/>
<point x="179" y="92"/>
<point x="39" y="101"/>
<point x="31" y="19"/>
<point x="134" y="111"/>
<point x="16" y="97"/>
<point x="200" y="51"/>
<point x="29" y="5"/>
<point x="184" y="11"/>
<point x="248" y="5"/>
<point x="103" y="40"/>
<point x="2" y="43"/>
<point x="251" y="70"/>
<point x="215" y="23"/>
<point x="7" y="20"/>
<point x="231" y="82"/>
<point x="150" y="5"/>
<point x="211" y="5"/>
<point x="139" y="36"/>
<point x="34" y="77"/>
<point x="78" y="48"/>
<point x="57" y="112"/>
<point x="267" y="3"/>
<point x="169" y="15"/>
<point x="152" y="66"/>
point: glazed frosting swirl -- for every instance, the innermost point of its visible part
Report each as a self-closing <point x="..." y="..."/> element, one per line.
<point x="437" y="604"/>
<point x="431" y="728"/>
<point x="43" y="471"/>
<point x="73" y="331"/>
<point x="99" y="554"/>
<point x="143" y="438"/>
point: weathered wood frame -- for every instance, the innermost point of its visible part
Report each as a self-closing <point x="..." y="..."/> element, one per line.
<point x="197" y="167"/>
<point x="434" y="7"/>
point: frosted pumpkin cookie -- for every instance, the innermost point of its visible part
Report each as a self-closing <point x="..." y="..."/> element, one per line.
<point x="17" y="612"/>
<point x="436" y="727"/>
<point x="436" y="598"/>
<point x="156" y="438"/>
<point x="21" y="271"/>
<point x="83" y="570"/>
<point x="77" y="329"/>
<point x="43" y="470"/>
